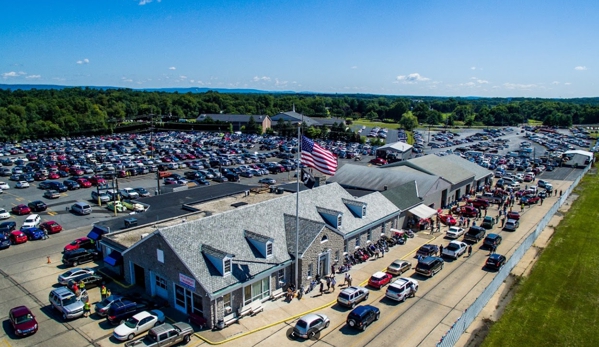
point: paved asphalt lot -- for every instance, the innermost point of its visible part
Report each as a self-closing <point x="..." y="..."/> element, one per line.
<point x="26" y="278"/>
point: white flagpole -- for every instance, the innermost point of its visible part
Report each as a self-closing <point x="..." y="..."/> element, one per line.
<point x="297" y="173"/>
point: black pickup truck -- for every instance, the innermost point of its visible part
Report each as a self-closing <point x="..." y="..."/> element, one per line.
<point x="475" y="234"/>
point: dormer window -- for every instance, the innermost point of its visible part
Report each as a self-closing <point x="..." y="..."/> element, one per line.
<point x="269" y="249"/>
<point x="262" y="243"/>
<point x="227" y="267"/>
<point x="339" y="219"/>
<point x="331" y="217"/>
<point x="364" y="211"/>
<point x="357" y="208"/>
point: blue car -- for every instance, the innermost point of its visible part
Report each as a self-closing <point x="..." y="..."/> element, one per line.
<point x="34" y="233"/>
<point x="4" y="241"/>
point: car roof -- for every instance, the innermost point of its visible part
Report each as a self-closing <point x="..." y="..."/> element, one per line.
<point x="379" y="274"/>
<point x="142" y="315"/>
<point x="363" y="308"/>
<point x="496" y="256"/>
<point x="311" y="317"/>
<point x="20" y="310"/>
<point x="494" y="236"/>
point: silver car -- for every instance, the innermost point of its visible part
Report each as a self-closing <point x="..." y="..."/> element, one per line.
<point x="511" y="225"/>
<point x="74" y="272"/>
<point x="310" y="324"/>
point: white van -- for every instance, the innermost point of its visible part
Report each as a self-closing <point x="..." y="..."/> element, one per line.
<point x="32" y="221"/>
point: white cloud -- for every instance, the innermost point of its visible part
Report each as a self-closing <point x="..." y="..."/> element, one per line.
<point x="10" y="74"/>
<point x="31" y="77"/>
<point x="84" y="61"/>
<point x="555" y="83"/>
<point x="482" y="81"/>
<point x="145" y="2"/>
<point x="183" y="77"/>
<point x="354" y="67"/>
<point x="473" y="68"/>
<point x="519" y="86"/>
<point x="172" y="68"/>
<point x="263" y="78"/>
<point x="280" y="83"/>
<point x="412" y="78"/>
<point x="580" y="68"/>
<point x="567" y="83"/>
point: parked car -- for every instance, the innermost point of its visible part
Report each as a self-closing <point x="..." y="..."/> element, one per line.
<point x="91" y="280"/>
<point x="455" y="249"/>
<point x="468" y="211"/>
<point x="447" y="219"/>
<point x="401" y="289"/>
<point x="37" y="206"/>
<point x="267" y="180"/>
<point x="22" y="184"/>
<point x="116" y="206"/>
<point x="495" y="261"/>
<point x="378" y="161"/>
<point x="309" y="325"/>
<point x="513" y="215"/>
<point x="7" y="227"/>
<point x="4" y="214"/>
<point x="429" y="266"/>
<point x="51" y="194"/>
<point x="475" y="234"/>
<point x="351" y="296"/>
<point x="362" y="316"/>
<point x="379" y="279"/>
<point x="71" y="185"/>
<point x="66" y="302"/>
<point x="34" y="233"/>
<point x="32" y="221"/>
<point x="102" y="307"/>
<point x="129" y="193"/>
<point x="120" y="311"/>
<point x="79" y="256"/>
<point x="138" y="324"/>
<point x="492" y="240"/>
<point x="74" y="273"/>
<point x="398" y="266"/>
<point x="427" y="250"/>
<point x="21" y="209"/>
<point x="511" y="225"/>
<point x="17" y="237"/>
<point x="23" y="321"/>
<point x="82" y="242"/>
<point x="4" y="241"/>
<point x="480" y="203"/>
<point x="488" y="222"/>
<point x="455" y="232"/>
<point x="81" y="208"/>
<point x="142" y="192"/>
<point x="104" y="197"/>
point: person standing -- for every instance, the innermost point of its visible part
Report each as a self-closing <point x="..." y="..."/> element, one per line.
<point x="103" y="292"/>
<point x="333" y="282"/>
<point x="107" y="292"/>
<point x="469" y="251"/>
<point x="502" y="221"/>
<point x="86" y="308"/>
<point x="441" y="250"/>
<point x="321" y="287"/>
<point x="81" y="285"/>
<point x="328" y="283"/>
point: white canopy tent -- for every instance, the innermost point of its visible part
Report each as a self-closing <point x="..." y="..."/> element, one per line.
<point x="423" y="211"/>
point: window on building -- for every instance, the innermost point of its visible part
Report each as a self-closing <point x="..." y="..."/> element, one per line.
<point x="310" y="270"/>
<point x="160" y="255"/>
<point x="227" y="300"/>
<point x="383" y="227"/>
<point x="363" y="211"/>
<point x="337" y="255"/>
<point x="324" y="239"/>
<point x="369" y="235"/>
<point x="345" y="246"/>
<point x="280" y="278"/>
<point x="339" y="219"/>
<point x="227" y="267"/>
<point x="269" y="249"/>
<point x="160" y="282"/>
<point x="358" y="241"/>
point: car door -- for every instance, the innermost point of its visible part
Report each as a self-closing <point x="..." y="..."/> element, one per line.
<point x="145" y="323"/>
<point x="315" y="325"/>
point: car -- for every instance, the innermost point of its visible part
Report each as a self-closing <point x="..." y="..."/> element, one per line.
<point x="351" y="296"/>
<point x="22" y="184"/>
<point x="79" y="256"/>
<point x="267" y="180"/>
<point x="22" y="321"/>
<point x="530" y="200"/>
<point x="455" y="232"/>
<point x="142" y="192"/>
<point x="480" y="203"/>
<point x="116" y="206"/>
<point x="398" y="266"/>
<point x="492" y="240"/>
<point x="138" y="324"/>
<point x="378" y="161"/>
<point x="81" y="208"/>
<point x="7" y="227"/>
<point x="513" y="215"/>
<point x="102" y="307"/>
<point x="401" y="289"/>
<point x="21" y="209"/>
<point x="103" y="196"/>
<point x="84" y="183"/>
<point x="132" y="205"/>
<point x="429" y="266"/>
<point x="71" y="185"/>
<point x="17" y="236"/>
<point x="468" y="211"/>
<point x="447" y="219"/>
<point x="129" y="193"/>
<point x="362" y="316"/>
<point x="74" y="273"/>
<point x="5" y="241"/>
<point x="90" y="280"/>
<point x="427" y="250"/>
<point x="37" y="206"/>
<point x="32" y="221"/>
<point x="4" y="185"/>
<point x="120" y="311"/>
<point x="488" y="222"/>
<point x="51" y="194"/>
<point x="309" y="325"/>
<point x="475" y="234"/>
<point x="455" y="249"/>
<point x="379" y="279"/>
<point x="495" y="261"/>
<point x="82" y="242"/>
<point x="34" y="233"/>
<point x="4" y="214"/>
<point x="66" y="302"/>
<point x="511" y="225"/>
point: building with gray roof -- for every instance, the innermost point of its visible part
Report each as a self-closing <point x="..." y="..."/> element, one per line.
<point x="215" y="265"/>
<point x="237" y="120"/>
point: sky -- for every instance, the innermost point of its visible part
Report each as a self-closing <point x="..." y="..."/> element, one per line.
<point x="508" y="48"/>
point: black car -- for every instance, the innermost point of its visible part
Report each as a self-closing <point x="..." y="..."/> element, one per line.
<point x="495" y="261"/>
<point x="428" y="250"/>
<point x="121" y="310"/>
<point x="362" y="316"/>
<point x="79" y="256"/>
<point x="429" y="266"/>
<point x="90" y="280"/>
<point x="7" y="227"/>
<point x="37" y="206"/>
<point x="231" y="176"/>
<point x="71" y="184"/>
<point x="475" y="234"/>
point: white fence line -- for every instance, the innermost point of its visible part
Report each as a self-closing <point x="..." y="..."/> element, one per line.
<point x="457" y="329"/>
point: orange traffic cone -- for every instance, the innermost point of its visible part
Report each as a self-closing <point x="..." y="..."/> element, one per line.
<point x="49" y="260"/>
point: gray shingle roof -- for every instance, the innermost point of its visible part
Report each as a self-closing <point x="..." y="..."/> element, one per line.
<point x="293" y="116"/>
<point x="308" y="230"/>
<point x="353" y="202"/>
<point x="478" y="171"/>
<point x="217" y="253"/>
<point x="257" y="237"/>
<point x="226" y="231"/>
<point x="404" y="196"/>
<point x="452" y="171"/>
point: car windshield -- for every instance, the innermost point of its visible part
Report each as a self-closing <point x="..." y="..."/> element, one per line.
<point x="24" y="318"/>
<point x="74" y="243"/>
<point x="452" y="247"/>
<point x="301" y="323"/>
<point x="70" y="300"/>
<point x="131" y="323"/>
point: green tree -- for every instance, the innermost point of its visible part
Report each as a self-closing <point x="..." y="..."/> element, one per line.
<point x="408" y="121"/>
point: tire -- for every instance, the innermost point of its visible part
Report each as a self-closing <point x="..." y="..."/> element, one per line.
<point x="353" y="305"/>
<point x="351" y="323"/>
<point x="130" y="337"/>
<point x="186" y="339"/>
<point x="378" y="316"/>
<point x="311" y="334"/>
<point x="366" y="297"/>
<point x="364" y="327"/>
<point x="64" y="316"/>
<point x="327" y="325"/>
<point x="403" y="299"/>
<point x="75" y="263"/>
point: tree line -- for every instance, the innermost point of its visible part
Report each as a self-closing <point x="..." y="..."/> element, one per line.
<point x="75" y="111"/>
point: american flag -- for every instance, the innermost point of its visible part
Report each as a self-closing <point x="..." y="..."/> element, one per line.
<point x="317" y="157"/>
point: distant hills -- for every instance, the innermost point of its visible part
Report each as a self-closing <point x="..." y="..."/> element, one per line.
<point x="166" y="90"/>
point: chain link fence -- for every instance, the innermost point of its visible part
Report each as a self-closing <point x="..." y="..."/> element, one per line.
<point x="461" y="324"/>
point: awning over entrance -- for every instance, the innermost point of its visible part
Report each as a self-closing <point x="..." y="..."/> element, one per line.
<point x="114" y="258"/>
<point x="96" y="234"/>
<point x="423" y="211"/>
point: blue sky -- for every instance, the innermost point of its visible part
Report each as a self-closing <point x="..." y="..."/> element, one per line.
<point x="528" y="48"/>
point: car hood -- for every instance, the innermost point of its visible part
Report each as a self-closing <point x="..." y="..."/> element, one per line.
<point x="26" y="325"/>
<point x="123" y="330"/>
<point x="77" y="305"/>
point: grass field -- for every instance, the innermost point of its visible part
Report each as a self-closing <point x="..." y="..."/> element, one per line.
<point x="376" y="124"/>
<point x="558" y="304"/>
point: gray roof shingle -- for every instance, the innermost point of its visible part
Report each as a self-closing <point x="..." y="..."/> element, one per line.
<point x="404" y="196"/>
<point x="451" y="169"/>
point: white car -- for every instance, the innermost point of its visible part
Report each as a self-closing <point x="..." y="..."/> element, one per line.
<point x="4" y="185"/>
<point x="138" y="324"/>
<point x="455" y="232"/>
<point x="129" y="193"/>
<point x="455" y="249"/>
<point x="402" y="289"/>
<point x="72" y="273"/>
<point x="4" y="214"/>
<point x="22" y="184"/>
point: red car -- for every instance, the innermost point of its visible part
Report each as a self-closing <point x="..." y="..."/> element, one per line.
<point x="447" y="219"/>
<point x="479" y="202"/>
<point x="378" y="161"/>
<point x="97" y="180"/>
<point x="468" y="211"/>
<point x="51" y="227"/>
<point x="83" y="182"/>
<point x="17" y="236"/>
<point x="528" y="178"/>
<point x="23" y="321"/>
<point x="380" y="279"/>
<point x="423" y="224"/>
<point x="21" y="209"/>
<point x="53" y="176"/>
<point x="82" y="242"/>
<point x="513" y="215"/>
<point x="531" y="200"/>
